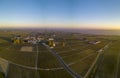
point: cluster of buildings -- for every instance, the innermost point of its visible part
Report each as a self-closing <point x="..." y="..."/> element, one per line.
<point x="33" y="40"/>
<point x="95" y="42"/>
<point x="28" y="39"/>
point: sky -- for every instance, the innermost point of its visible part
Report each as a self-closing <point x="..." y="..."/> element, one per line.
<point x="93" y="14"/>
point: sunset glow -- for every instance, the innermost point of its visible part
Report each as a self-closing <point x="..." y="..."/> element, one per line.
<point x="95" y="14"/>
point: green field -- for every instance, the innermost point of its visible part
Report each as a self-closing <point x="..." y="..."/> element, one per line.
<point x="1" y="75"/>
<point x="108" y="67"/>
<point x="46" y="60"/>
<point x="55" y="74"/>
<point x="13" y="54"/>
<point x="77" y="53"/>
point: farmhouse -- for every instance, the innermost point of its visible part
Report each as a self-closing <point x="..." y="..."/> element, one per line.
<point x="95" y="42"/>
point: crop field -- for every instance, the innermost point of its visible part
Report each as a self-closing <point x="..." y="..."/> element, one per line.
<point x="19" y="72"/>
<point x="54" y="74"/>
<point x="13" y="54"/>
<point x="1" y="75"/>
<point x="46" y="59"/>
<point x="28" y="65"/>
<point x="79" y="54"/>
<point x="110" y="65"/>
<point x="16" y="71"/>
<point x="39" y="62"/>
<point x="27" y="48"/>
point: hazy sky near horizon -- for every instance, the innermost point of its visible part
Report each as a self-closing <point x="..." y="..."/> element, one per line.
<point x="101" y="14"/>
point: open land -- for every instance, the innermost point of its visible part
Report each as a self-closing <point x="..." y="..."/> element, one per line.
<point x="79" y="52"/>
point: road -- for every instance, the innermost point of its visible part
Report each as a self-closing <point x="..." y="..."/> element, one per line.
<point x="95" y="61"/>
<point x="37" y="74"/>
<point x="29" y="67"/>
<point x="36" y="65"/>
<point x="66" y="67"/>
<point x="117" y="67"/>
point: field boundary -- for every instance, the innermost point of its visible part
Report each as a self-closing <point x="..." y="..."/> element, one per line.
<point x="95" y="61"/>
<point x="117" y="67"/>
<point x="66" y="67"/>
<point x="29" y="67"/>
